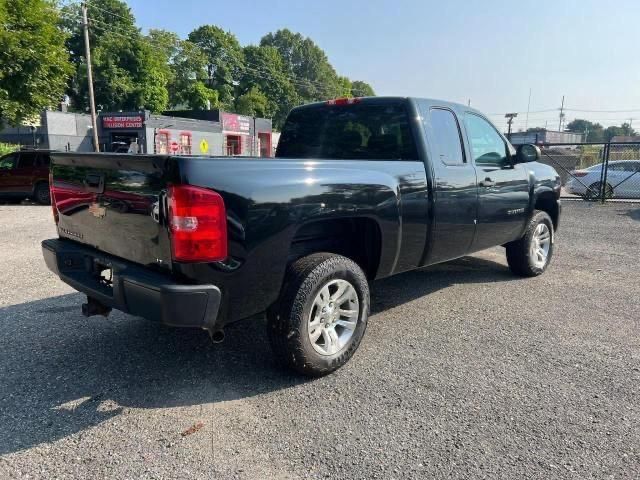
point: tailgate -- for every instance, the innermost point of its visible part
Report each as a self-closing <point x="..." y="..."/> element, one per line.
<point x="113" y="203"/>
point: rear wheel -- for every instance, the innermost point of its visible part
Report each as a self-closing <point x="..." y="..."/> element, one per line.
<point x="41" y="194"/>
<point x="322" y="314"/>
<point x="530" y="256"/>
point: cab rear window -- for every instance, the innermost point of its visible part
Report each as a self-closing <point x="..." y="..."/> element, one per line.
<point x="357" y="131"/>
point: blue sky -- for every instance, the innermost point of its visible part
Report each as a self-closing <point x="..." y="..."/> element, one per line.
<point x="491" y="52"/>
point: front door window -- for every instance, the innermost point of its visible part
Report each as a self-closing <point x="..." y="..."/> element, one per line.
<point x="487" y="146"/>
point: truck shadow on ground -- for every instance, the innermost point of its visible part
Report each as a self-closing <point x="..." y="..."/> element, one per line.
<point x="61" y="373"/>
<point x="633" y="214"/>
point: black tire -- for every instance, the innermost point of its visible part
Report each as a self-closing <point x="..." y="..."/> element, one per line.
<point x="594" y="192"/>
<point x="520" y="257"/>
<point x="41" y="194"/>
<point x="288" y="321"/>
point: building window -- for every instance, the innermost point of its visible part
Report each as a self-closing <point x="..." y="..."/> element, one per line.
<point x="234" y="144"/>
<point x="185" y="143"/>
<point x="162" y="141"/>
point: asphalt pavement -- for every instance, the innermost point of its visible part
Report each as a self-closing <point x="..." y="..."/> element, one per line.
<point x="465" y="372"/>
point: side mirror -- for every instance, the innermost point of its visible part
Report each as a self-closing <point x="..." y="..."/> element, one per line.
<point x="527" y="153"/>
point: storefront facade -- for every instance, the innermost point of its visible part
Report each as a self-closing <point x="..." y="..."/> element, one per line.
<point x="191" y="132"/>
<point x="210" y="132"/>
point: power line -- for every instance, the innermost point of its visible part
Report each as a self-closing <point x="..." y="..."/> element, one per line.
<point x="602" y="111"/>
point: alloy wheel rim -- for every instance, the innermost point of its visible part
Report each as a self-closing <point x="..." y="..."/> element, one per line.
<point x="540" y="245"/>
<point x="333" y="317"/>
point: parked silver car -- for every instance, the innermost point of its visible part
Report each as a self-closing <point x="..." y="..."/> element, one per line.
<point x="623" y="180"/>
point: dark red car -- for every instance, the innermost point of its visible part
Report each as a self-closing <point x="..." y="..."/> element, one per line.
<point x="25" y="174"/>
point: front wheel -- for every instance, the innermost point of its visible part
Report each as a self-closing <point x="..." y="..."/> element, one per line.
<point x="530" y="256"/>
<point x="322" y="314"/>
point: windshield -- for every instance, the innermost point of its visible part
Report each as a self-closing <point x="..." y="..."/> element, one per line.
<point x="356" y="131"/>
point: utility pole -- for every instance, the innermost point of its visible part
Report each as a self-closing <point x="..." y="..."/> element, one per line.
<point x="510" y="117"/>
<point x="561" y="115"/>
<point x="92" y="102"/>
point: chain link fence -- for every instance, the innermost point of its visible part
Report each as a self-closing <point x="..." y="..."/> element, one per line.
<point x="596" y="171"/>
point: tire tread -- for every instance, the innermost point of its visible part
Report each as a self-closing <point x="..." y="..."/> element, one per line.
<point x="285" y="320"/>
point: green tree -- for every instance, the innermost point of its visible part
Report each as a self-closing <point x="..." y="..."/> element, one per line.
<point x="306" y="64"/>
<point x="34" y="65"/>
<point x="188" y="87"/>
<point x="253" y="103"/>
<point x="264" y="68"/>
<point x="105" y="16"/>
<point x="224" y="59"/>
<point x="344" y="87"/>
<point x="361" y="89"/>
<point x="594" y="131"/>
<point x="128" y="75"/>
<point x="131" y="71"/>
<point x="623" y="130"/>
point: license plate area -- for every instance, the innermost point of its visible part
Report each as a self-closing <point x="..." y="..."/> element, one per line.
<point x="106" y="277"/>
<point x="102" y="273"/>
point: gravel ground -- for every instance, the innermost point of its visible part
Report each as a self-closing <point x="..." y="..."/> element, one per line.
<point x="465" y="372"/>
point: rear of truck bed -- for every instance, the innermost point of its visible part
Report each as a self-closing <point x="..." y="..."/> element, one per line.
<point x="123" y="221"/>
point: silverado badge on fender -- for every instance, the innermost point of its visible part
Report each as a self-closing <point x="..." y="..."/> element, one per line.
<point x="97" y="211"/>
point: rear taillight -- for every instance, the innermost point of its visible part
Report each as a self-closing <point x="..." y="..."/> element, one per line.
<point x="343" y="101"/>
<point x="198" y="224"/>
<point x="54" y="209"/>
<point x="579" y="174"/>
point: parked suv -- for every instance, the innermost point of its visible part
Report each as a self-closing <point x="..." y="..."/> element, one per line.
<point x="25" y="174"/>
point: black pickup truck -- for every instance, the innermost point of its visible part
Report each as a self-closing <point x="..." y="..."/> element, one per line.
<point x="360" y="189"/>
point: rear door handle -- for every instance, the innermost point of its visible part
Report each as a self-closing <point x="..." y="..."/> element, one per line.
<point x="487" y="183"/>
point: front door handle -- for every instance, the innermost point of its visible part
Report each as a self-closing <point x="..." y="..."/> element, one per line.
<point x="488" y="182"/>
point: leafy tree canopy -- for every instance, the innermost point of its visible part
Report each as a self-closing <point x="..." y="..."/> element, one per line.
<point x="158" y="70"/>
<point x="34" y="65"/>
<point x="224" y="59"/>
<point x="307" y="65"/>
<point x="254" y="103"/>
<point x="597" y="133"/>
<point x="361" y="89"/>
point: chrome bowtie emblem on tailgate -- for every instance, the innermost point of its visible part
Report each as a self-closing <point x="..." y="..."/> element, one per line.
<point x="97" y="211"/>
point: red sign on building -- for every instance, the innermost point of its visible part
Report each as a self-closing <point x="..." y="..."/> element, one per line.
<point x="122" y="121"/>
<point x="236" y="124"/>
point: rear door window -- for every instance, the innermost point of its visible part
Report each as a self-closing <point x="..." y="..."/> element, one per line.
<point x="27" y="160"/>
<point x="446" y="139"/>
<point x="359" y="131"/>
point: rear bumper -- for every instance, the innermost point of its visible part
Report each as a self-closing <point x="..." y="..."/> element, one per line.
<point x="134" y="289"/>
